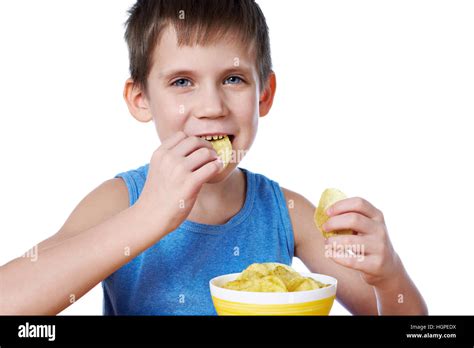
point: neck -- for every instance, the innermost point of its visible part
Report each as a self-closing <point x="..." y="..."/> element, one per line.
<point x="220" y="190"/>
<point x="218" y="202"/>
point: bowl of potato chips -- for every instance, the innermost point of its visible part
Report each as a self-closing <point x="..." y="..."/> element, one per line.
<point x="273" y="289"/>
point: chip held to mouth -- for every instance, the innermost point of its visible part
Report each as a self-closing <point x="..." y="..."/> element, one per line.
<point x="328" y="198"/>
<point x="223" y="148"/>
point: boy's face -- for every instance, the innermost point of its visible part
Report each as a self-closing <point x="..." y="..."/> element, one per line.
<point x="206" y="90"/>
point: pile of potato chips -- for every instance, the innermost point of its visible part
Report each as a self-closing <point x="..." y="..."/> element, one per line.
<point x="272" y="277"/>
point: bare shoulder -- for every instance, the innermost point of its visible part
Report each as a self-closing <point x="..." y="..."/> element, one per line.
<point x="103" y="202"/>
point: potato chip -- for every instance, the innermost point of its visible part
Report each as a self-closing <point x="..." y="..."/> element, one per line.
<point x="295" y="283"/>
<point x="271" y="266"/>
<point x="243" y="285"/>
<point x="328" y="198"/>
<point x="223" y="148"/>
<point x="271" y="283"/>
<point x="287" y="276"/>
<point x="255" y="271"/>
<point x="307" y="284"/>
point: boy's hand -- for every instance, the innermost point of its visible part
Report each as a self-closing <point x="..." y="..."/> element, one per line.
<point x="370" y="251"/>
<point x="177" y="171"/>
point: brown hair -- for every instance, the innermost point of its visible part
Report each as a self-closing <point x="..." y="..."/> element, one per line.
<point x="196" y="22"/>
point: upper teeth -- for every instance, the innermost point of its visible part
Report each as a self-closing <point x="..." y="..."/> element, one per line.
<point x="212" y="137"/>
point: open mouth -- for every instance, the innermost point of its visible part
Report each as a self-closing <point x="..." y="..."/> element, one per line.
<point x="217" y="137"/>
<point x="222" y="143"/>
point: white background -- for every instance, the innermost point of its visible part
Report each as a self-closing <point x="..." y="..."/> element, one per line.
<point x="374" y="97"/>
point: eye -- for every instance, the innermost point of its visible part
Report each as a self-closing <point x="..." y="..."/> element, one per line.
<point x="181" y="83"/>
<point x="233" y="80"/>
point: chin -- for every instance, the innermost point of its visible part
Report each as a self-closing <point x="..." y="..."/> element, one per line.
<point x="223" y="175"/>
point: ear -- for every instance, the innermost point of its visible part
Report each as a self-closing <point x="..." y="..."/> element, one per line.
<point x="266" y="98"/>
<point x="137" y="101"/>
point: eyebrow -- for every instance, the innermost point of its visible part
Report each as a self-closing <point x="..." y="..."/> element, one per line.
<point x="174" y="72"/>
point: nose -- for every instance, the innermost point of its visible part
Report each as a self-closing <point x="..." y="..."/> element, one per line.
<point x="209" y="103"/>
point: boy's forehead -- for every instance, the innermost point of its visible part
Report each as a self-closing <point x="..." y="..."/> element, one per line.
<point x="223" y="53"/>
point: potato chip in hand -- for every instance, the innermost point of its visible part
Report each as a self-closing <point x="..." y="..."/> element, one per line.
<point x="328" y="198"/>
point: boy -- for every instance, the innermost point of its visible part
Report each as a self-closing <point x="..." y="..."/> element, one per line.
<point x="156" y="235"/>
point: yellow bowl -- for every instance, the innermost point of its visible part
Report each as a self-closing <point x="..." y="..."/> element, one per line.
<point x="312" y="302"/>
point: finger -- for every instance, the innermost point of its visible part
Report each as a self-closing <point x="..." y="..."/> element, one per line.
<point x="199" y="158"/>
<point x="357" y="244"/>
<point x="349" y="260"/>
<point x="191" y="144"/>
<point x="350" y="221"/>
<point x="345" y="240"/>
<point x="354" y="204"/>
<point x="207" y="171"/>
<point x="373" y="265"/>
<point x="174" y="139"/>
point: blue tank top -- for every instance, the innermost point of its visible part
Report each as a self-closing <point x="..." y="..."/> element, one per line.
<point x="172" y="276"/>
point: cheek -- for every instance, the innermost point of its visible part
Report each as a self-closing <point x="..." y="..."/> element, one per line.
<point x="168" y="115"/>
<point x="246" y="109"/>
<point x="246" y="112"/>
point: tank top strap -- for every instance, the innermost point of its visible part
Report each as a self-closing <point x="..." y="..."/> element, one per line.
<point x="135" y="180"/>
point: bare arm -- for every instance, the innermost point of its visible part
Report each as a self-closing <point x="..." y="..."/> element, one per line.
<point x="400" y="296"/>
<point x="88" y="248"/>
<point x="102" y="234"/>
<point x="375" y="284"/>
<point x="352" y="292"/>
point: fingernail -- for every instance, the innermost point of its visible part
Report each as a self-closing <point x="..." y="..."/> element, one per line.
<point x="328" y="211"/>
